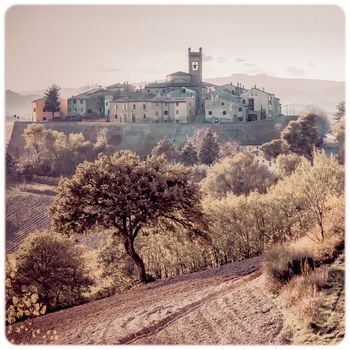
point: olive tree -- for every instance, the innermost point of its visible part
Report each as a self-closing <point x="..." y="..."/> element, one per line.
<point x="123" y="193"/>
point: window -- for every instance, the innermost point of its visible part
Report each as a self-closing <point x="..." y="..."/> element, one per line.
<point x="144" y="116"/>
<point x="74" y="101"/>
<point x="243" y="101"/>
<point x="163" y="91"/>
<point x="44" y="118"/>
<point x="116" y="107"/>
<point x="133" y="106"/>
<point x="34" y="109"/>
<point x="222" y="103"/>
<point x="165" y="112"/>
<point x="116" y="116"/>
<point x="177" y="103"/>
<point x="81" y="101"/>
<point x="210" y="113"/>
<point x="177" y="112"/>
<point x="223" y="112"/>
<point x="240" y="109"/>
<point x="190" y="104"/>
<point x="156" y="104"/>
<point x="144" y="106"/>
<point x="183" y="90"/>
<point x="81" y="109"/>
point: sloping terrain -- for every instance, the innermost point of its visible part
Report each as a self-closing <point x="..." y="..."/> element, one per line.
<point x="225" y="305"/>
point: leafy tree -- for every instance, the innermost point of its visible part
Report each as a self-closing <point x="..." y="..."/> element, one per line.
<point x="165" y="147"/>
<point x="302" y="135"/>
<point x="123" y="193"/>
<point x="274" y="148"/>
<point x="287" y="163"/>
<point x="52" y="103"/>
<point x="228" y="149"/>
<point x="339" y="131"/>
<point x="188" y="155"/>
<point x="208" y="151"/>
<point x="239" y="175"/>
<point x="311" y="186"/>
<point x="54" y="266"/>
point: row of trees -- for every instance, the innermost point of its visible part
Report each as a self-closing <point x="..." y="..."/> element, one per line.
<point x="201" y="148"/>
<point x="52" y="153"/>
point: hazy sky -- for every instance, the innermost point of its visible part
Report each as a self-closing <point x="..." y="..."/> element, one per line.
<point x="77" y="45"/>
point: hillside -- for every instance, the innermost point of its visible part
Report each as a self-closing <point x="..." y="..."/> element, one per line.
<point x="225" y="305"/>
<point x="18" y="104"/>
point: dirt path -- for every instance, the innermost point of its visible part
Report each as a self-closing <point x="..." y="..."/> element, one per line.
<point x="220" y="306"/>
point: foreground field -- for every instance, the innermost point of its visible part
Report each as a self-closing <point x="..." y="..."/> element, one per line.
<point x="220" y="306"/>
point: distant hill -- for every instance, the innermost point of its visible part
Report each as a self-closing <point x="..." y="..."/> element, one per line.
<point x="18" y="104"/>
<point x="299" y="93"/>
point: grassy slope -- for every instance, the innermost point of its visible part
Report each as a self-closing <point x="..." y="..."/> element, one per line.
<point x="327" y="326"/>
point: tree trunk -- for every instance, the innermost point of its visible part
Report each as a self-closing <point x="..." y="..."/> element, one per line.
<point x="129" y="247"/>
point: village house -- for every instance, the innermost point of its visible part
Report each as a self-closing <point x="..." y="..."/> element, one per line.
<point x="150" y="108"/>
<point x="260" y="104"/>
<point x="39" y="114"/>
<point x="222" y="106"/>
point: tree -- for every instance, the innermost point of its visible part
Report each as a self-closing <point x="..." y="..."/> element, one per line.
<point x="239" y="175"/>
<point x="208" y="151"/>
<point x="165" y="147"/>
<point x="52" y="103"/>
<point x="274" y="148"/>
<point x="123" y="193"/>
<point x="54" y="266"/>
<point x="339" y="131"/>
<point x="228" y="149"/>
<point x="287" y="163"/>
<point x="188" y="155"/>
<point x="302" y="135"/>
<point x="312" y="185"/>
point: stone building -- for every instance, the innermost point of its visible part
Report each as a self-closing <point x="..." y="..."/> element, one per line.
<point x="224" y="107"/>
<point x="260" y="104"/>
<point x="39" y="113"/>
<point x="151" y="108"/>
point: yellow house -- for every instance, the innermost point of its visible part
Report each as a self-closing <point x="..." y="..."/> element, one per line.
<point x="39" y="113"/>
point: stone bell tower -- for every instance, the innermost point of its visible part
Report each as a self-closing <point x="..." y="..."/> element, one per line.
<point x="195" y="65"/>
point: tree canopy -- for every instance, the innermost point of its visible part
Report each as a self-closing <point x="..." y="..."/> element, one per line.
<point x="52" y="103"/>
<point x="123" y="193"/>
<point x="165" y="147"/>
<point x="274" y="148"/>
<point x="302" y="135"/>
<point x="239" y="175"/>
<point x="208" y="151"/>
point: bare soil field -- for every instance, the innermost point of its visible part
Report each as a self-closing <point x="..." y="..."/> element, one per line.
<point x="224" y="305"/>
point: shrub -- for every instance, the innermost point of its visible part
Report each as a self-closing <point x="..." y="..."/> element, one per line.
<point x="283" y="262"/>
<point x="55" y="267"/>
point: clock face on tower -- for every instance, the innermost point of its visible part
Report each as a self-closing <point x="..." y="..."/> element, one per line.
<point x="194" y="65"/>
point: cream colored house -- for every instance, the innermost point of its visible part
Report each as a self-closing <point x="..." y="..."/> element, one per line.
<point x="260" y="104"/>
<point x="221" y="107"/>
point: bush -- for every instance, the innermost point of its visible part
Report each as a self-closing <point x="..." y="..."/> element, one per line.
<point x="239" y="175"/>
<point x="283" y="262"/>
<point x="53" y="266"/>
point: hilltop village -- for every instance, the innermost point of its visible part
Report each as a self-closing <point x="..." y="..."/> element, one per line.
<point x="181" y="98"/>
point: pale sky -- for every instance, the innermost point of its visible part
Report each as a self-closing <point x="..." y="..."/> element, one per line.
<point x="77" y="45"/>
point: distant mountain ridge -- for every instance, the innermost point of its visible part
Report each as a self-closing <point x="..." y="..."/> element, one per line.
<point x="295" y="94"/>
<point x="301" y="93"/>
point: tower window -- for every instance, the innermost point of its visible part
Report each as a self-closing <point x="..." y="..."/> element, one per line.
<point x="222" y="103"/>
<point x="223" y="112"/>
<point x="210" y="113"/>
